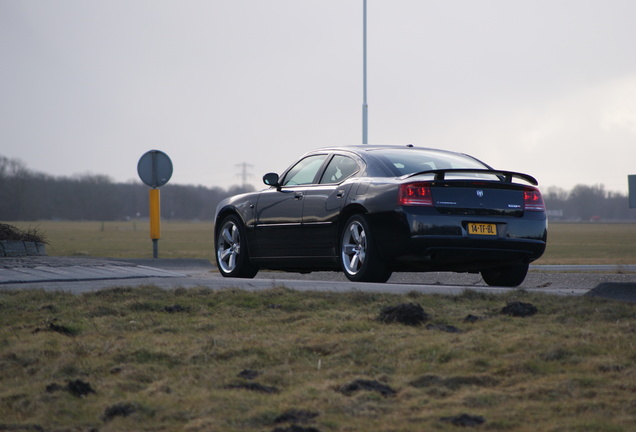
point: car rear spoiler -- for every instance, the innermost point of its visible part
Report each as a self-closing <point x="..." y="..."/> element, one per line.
<point x="505" y="176"/>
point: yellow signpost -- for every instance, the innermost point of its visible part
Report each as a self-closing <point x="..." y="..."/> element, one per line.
<point x="155" y="214"/>
<point x="155" y="169"/>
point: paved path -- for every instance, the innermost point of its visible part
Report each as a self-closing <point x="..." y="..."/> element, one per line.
<point x="76" y="274"/>
<point x="57" y="269"/>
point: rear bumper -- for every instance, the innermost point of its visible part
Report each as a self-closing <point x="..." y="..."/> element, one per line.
<point x="417" y="239"/>
<point x="465" y="257"/>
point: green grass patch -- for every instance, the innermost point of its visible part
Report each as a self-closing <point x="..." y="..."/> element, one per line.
<point x="568" y="243"/>
<point x="125" y="239"/>
<point x="197" y="360"/>
<point x="590" y="243"/>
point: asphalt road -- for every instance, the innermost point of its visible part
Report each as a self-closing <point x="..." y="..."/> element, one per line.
<point x="89" y="274"/>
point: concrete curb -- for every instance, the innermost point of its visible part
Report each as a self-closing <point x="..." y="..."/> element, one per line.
<point x="18" y="248"/>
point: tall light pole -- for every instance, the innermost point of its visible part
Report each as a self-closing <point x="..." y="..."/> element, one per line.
<point x="365" y="107"/>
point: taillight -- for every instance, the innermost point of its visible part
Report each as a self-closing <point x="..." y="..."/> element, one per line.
<point x="415" y="194"/>
<point x="532" y="200"/>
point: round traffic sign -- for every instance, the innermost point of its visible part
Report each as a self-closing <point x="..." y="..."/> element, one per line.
<point x="154" y="168"/>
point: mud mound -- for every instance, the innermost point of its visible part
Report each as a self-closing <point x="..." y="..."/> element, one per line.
<point x="519" y="309"/>
<point x="368" y="385"/>
<point x="407" y="314"/>
<point x="119" y="410"/>
<point x="56" y="328"/>
<point x="66" y="331"/>
<point x="473" y="319"/>
<point x="295" y="428"/>
<point x="454" y="382"/>
<point x="248" y="374"/>
<point x="175" y="309"/>
<point x="77" y="388"/>
<point x="18" y="427"/>
<point x="443" y="328"/>
<point x="296" y="416"/>
<point x="465" y="420"/>
<point x="252" y="386"/>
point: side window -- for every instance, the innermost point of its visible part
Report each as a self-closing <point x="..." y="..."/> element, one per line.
<point x="339" y="169"/>
<point x="304" y="172"/>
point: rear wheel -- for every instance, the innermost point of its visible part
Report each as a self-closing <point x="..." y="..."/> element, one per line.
<point x="507" y="276"/>
<point x="231" y="250"/>
<point x="358" y="253"/>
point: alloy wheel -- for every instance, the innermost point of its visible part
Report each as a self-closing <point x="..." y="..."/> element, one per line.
<point x="354" y="247"/>
<point x="228" y="247"/>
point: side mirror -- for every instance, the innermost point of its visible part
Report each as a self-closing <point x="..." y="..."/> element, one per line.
<point x="271" y="179"/>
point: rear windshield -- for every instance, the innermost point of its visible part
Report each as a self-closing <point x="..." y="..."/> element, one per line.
<point x="409" y="161"/>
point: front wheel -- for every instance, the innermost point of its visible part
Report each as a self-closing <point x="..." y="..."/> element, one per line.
<point x="231" y="250"/>
<point x="507" y="276"/>
<point x="359" y="255"/>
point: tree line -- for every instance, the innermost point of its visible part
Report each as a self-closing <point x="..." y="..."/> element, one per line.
<point x="587" y="203"/>
<point x="26" y="195"/>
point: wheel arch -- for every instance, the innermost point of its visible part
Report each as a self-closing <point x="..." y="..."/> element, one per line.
<point x="221" y="215"/>
<point x="374" y="268"/>
<point x="345" y="214"/>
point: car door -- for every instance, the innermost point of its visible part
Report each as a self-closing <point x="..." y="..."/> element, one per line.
<point x="278" y="228"/>
<point x="323" y="202"/>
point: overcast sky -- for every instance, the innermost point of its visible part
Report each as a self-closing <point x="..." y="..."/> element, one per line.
<point x="546" y="87"/>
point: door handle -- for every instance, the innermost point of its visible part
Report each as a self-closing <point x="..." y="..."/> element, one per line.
<point x="298" y="195"/>
<point x="340" y="194"/>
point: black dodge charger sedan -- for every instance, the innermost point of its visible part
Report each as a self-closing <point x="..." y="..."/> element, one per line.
<point x="372" y="210"/>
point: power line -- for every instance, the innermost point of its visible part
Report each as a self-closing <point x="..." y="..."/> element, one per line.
<point x="244" y="172"/>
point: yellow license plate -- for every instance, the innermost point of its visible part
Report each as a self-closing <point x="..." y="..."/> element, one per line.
<point x="482" y="228"/>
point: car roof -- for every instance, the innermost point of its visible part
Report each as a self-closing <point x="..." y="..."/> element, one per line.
<point x="362" y="149"/>
<point x="370" y="147"/>
<point x="365" y="151"/>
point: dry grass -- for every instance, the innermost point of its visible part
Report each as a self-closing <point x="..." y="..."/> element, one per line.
<point x="11" y="233"/>
<point x="167" y="360"/>
<point x="163" y="360"/>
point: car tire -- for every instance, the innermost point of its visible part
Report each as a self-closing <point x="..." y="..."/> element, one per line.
<point x="359" y="256"/>
<point x="232" y="255"/>
<point x="507" y="276"/>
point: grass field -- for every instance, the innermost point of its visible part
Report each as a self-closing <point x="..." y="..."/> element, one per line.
<point x="593" y="243"/>
<point x="146" y="359"/>
<point x="125" y="239"/>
